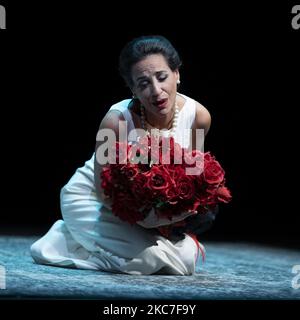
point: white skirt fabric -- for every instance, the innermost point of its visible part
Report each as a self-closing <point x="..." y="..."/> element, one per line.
<point x="90" y="236"/>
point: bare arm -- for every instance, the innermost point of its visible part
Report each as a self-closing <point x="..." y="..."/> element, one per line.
<point x="202" y="121"/>
<point x="110" y="121"/>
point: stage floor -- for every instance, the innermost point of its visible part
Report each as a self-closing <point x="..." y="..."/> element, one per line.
<point x="231" y="271"/>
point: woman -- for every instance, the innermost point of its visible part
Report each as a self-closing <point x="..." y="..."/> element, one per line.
<point x="91" y="236"/>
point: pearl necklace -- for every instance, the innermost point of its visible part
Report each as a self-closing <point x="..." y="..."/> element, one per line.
<point x="161" y="132"/>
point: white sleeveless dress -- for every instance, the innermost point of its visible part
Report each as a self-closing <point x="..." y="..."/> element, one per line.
<point x="90" y="236"/>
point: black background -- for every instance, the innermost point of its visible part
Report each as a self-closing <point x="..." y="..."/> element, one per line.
<point x="59" y="77"/>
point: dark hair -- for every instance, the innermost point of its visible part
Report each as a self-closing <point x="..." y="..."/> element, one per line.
<point x="139" y="48"/>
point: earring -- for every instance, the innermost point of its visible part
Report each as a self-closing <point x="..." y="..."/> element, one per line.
<point x="178" y="81"/>
<point x="133" y="96"/>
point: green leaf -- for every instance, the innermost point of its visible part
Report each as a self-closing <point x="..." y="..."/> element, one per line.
<point x="160" y="204"/>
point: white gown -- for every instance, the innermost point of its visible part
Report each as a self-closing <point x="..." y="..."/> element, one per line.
<point x="90" y="236"/>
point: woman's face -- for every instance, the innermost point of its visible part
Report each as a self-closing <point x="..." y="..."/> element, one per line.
<point x="155" y="84"/>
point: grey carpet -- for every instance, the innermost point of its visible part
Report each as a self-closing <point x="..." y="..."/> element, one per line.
<point x="231" y="271"/>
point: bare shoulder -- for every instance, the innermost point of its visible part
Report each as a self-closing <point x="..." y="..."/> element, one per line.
<point x="202" y="118"/>
<point x="111" y="120"/>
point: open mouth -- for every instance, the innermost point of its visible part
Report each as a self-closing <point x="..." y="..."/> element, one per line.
<point x="161" y="103"/>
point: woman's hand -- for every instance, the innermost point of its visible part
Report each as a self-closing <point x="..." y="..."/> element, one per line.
<point x="199" y="223"/>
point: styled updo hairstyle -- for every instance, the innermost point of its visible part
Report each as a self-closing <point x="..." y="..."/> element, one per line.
<point x="141" y="47"/>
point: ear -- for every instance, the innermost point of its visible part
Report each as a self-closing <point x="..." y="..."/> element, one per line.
<point x="177" y="76"/>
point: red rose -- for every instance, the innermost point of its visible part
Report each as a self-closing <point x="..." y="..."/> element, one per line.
<point x="185" y="187"/>
<point x="171" y="194"/>
<point x="130" y="171"/>
<point x="213" y="172"/>
<point x="159" y="179"/>
<point x="208" y="157"/>
<point x="223" y="194"/>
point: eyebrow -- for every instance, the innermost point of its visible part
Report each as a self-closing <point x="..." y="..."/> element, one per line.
<point x="141" y="78"/>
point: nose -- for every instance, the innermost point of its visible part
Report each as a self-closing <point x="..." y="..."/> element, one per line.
<point x="156" y="88"/>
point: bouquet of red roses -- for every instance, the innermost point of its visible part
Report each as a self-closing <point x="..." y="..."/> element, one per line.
<point x="162" y="192"/>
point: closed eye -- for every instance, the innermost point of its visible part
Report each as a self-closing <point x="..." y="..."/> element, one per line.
<point x="162" y="78"/>
<point x="143" y="84"/>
